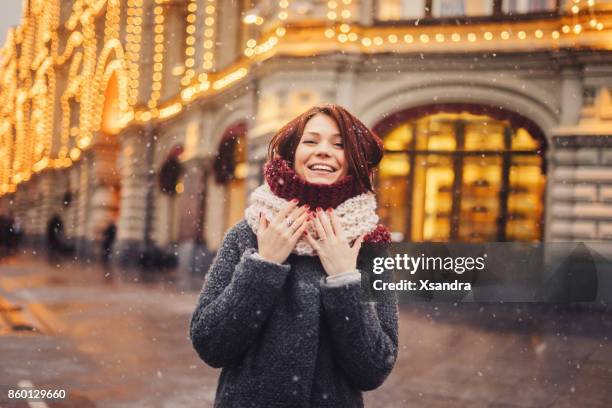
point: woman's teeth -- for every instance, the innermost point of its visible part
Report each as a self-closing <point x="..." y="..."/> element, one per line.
<point x="318" y="167"/>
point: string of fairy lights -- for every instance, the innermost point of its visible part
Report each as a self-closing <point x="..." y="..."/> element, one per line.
<point x="158" y="55"/>
<point x="209" y="36"/>
<point x="133" y="37"/>
<point x="34" y="136"/>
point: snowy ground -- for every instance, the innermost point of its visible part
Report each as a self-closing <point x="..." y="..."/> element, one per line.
<point x="119" y="339"/>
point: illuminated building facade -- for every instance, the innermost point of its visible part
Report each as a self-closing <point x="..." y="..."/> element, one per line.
<point x="496" y="114"/>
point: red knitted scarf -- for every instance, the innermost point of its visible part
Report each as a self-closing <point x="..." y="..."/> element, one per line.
<point x="287" y="184"/>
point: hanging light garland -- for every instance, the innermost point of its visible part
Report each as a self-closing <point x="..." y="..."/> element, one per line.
<point x="33" y="53"/>
<point x="190" y="40"/>
<point x="133" y="38"/>
<point x="209" y="35"/>
<point x="158" y="55"/>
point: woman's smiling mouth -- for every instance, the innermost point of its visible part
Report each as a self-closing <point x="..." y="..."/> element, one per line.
<point x="322" y="167"/>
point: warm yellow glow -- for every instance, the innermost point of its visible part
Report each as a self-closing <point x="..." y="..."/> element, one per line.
<point x="250" y="19"/>
<point x="75" y="153"/>
<point x="100" y="42"/>
<point x="230" y="78"/>
<point x="171" y="110"/>
<point x="111" y="114"/>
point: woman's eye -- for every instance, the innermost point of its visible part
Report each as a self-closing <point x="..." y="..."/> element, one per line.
<point x="340" y="144"/>
<point x="309" y="142"/>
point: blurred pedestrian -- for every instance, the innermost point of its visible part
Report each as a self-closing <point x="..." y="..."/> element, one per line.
<point x="4" y="235"/>
<point x="281" y="307"/>
<point x="108" y="239"/>
<point x="14" y="235"/>
<point x="55" y="237"/>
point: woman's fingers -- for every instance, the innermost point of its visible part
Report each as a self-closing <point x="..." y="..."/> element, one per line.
<point x="318" y="227"/>
<point x="357" y="244"/>
<point x="300" y="231"/>
<point x="263" y="222"/>
<point x="297" y="224"/>
<point x="327" y="227"/>
<point x="313" y="242"/>
<point x="297" y="212"/>
<point x="282" y="214"/>
<point x="335" y="222"/>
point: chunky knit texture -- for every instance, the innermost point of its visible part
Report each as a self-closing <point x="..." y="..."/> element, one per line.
<point x="284" y="337"/>
<point x="355" y="207"/>
<point x="357" y="215"/>
<point x="285" y="183"/>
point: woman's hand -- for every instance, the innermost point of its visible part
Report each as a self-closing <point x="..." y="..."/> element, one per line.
<point x="336" y="254"/>
<point x="277" y="238"/>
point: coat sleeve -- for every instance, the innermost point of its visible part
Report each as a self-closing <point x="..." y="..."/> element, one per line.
<point x="364" y="334"/>
<point x="236" y="298"/>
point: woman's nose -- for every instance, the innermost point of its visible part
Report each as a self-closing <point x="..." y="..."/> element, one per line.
<point x="323" y="149"/>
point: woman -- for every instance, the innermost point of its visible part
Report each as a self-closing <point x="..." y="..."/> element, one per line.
<point x="281" y="310"/>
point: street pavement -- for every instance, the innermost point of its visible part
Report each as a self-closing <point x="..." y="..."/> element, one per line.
<point x="119" y="338"/>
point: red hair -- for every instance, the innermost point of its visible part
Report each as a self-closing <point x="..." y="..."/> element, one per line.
<point x="363" y="149"/>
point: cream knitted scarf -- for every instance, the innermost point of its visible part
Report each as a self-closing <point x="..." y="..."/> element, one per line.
<point x="357" y="215"/>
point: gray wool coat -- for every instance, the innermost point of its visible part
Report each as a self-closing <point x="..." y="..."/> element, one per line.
<point x="283" y="336"/>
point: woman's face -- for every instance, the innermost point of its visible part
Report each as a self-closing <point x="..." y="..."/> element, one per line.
<point x="319" y="157"/>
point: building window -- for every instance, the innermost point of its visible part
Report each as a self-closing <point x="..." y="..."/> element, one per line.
<point x="454" y="8"/>
<point x="401" y="9"/>
<point x="459" y="176"/>
<point x="528" y="6"/>
<point x="231" y="169"/>
<point x="391" y="10"/>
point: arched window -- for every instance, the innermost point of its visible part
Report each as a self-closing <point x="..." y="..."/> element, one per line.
<point x="231" y="168"/>
<point x="462" y="173"/>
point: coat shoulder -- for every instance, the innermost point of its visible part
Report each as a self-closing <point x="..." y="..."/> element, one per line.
<point x="241" y="235"/>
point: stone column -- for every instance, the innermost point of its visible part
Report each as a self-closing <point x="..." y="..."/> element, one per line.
<point x="581" y="189"/>
<point x="571" y="96"/>
<point x="104" y="189"/>
<point x="133" y="225"/>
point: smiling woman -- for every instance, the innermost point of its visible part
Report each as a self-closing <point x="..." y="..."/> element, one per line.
<point x="319" y="158"/>
<point x="285" y="286"/>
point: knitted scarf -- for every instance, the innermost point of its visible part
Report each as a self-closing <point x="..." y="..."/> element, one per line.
<point x="355" y="208"/>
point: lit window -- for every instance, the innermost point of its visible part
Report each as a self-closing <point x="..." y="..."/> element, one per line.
<point x="400" y="9"/>
<point x="461" y="177"/>
<point x="453" y="8"/>
<point x="528" y="6"/>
